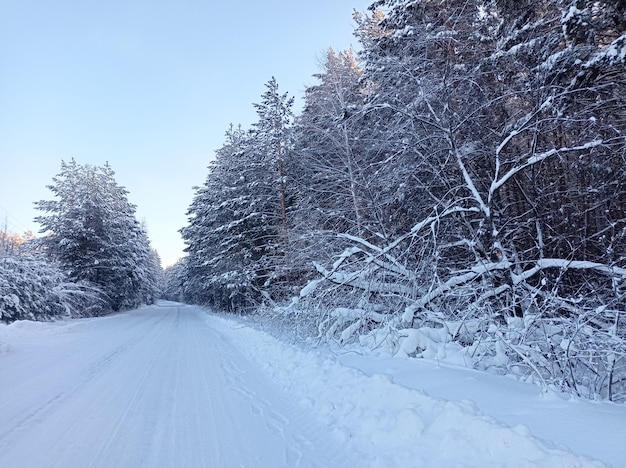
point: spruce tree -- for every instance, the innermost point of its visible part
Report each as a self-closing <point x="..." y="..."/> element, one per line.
<point x="226" y="233"/>
<point x="91" y="230"/>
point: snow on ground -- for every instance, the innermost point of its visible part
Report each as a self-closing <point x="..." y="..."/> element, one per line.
<point x="176" y="386"/>
<point x="591" y="428"/>
<point x="156" y="387"/>
<point x="399" y="412"/>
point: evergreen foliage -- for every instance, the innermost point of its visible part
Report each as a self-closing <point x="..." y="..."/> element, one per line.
<point x="32" y="288"/>
<point x="237" y="238"/>
<point x="173" y="282"/>
<point x="91" y="231"/>
<point x="461" y="181"/>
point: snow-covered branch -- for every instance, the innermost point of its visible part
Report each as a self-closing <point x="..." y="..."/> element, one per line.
<point x="427" y="222"/>
<point x="391" y="264"/>
<point x="470" y="184"/>
<point x="516" y="279"/>
<point x="497" y="183"/>
<point x="545" y="263"/>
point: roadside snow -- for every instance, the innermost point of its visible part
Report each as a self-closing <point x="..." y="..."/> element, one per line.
<point x="591" y="428"/>
<point x="378" y="407"/>
<point x="173" y="385"/>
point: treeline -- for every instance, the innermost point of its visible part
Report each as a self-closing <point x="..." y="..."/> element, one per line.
<point x="93" y="258"/>
<point x="458" y="187"/>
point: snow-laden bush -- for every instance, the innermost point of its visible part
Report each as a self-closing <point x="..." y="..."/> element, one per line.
<point x="34" y="289"/>
<point x="584" y="354"/>
<point x="26" y="289"/>
<point x="528" y="323"/>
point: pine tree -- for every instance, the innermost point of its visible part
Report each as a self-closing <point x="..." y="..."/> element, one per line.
<point x="174" y="278"/>
<point x="237" y="237"/>
<point x="272" y="145"/>
<point x="91" y="230"/>
<point x="227" y="229"/>
<point x="271" y="140"/>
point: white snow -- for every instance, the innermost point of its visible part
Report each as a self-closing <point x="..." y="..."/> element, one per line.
<point x="177" y="386"/>
<point x="310" y="288"/>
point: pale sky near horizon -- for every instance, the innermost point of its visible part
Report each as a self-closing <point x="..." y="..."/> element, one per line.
<point x="149" y="86"/>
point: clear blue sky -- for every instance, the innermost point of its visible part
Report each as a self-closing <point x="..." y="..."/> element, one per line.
<point x="149" y="86"/>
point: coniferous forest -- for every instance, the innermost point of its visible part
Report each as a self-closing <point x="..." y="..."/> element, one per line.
<point x="459" y="184"/>
<point x="457" y="187"/>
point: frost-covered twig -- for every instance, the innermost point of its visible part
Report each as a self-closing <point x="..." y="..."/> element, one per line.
<point x="497" y="183"/>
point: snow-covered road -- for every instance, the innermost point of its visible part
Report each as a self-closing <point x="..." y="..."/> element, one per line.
<point x="156" y="388"/>
<point x="176" y="386"/>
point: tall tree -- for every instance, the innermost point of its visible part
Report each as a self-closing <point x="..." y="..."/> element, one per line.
<point x="228" y="230"/>
<point x="91" y="230"/>
<point x="237" y="237"/>
<point x="272" y="141"/>
<point x="563" y="63"/>
<point x="174" y="277"/>
<point x="497" y="144"/>
<point x="328" y="168"/>
<point x="327" y="164"/>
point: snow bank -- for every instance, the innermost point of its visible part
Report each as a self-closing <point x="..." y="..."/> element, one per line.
<point x="388" y="424"/>
<point x="17" y="333"/>
<point x="29" y="328"/>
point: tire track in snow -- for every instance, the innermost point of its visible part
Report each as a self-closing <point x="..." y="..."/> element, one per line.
<point x="110" y="442"/>
<point x="74" y="377"/>
<point x="156" y="387"/>
<point x="32" y="414"/>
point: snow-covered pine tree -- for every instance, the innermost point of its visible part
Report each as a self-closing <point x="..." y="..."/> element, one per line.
<point x="149" y="272"/>
<point x="174" y="278"/>
<point x="226" y="231"/>
<point x="271" y="138"/>
<point x="237" y="237"/>
<point x="91" y="230"/>
<point x="271" y="146"/>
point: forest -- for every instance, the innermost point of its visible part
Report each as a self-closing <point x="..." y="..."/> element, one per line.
<point x="455" y="189"/>
<point x="456" y="186"/>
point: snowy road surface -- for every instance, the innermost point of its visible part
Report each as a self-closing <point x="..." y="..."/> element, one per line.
<point x="174" y="386"/>
<point x="155" y="387"/>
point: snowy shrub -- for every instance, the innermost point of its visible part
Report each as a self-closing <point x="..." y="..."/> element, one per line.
<point x="528" y="323"/>
<point x="34" y="289"/>
<point x="585" y="355"/>
<point x="26" y="289"/>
